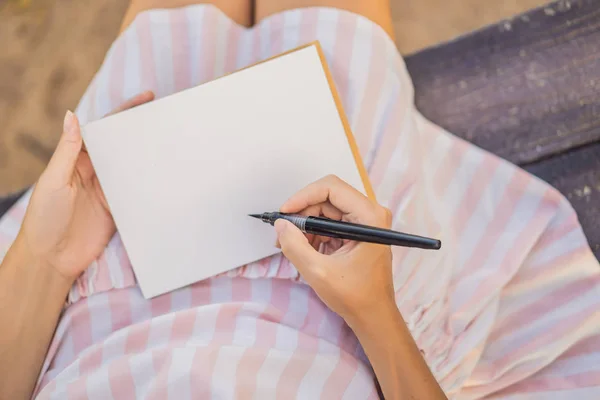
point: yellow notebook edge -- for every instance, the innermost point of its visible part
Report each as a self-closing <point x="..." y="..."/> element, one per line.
<point x="364" y="176"/>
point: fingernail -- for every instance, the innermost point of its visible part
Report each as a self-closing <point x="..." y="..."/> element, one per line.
<point x="69" y="123"/>
<point x="280" y="226"/>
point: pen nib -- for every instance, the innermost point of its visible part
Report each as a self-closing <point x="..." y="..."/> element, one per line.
<point x="257" y="216"/>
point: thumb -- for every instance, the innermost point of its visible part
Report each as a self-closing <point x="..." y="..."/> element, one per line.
<point x="295" y="246"/>
<point x="63" y="161"/>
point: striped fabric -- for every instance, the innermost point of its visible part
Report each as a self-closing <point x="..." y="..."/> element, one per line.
<point x="509" y="308"/>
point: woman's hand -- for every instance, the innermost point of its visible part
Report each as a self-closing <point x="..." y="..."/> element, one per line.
<point x="68" y="223"/>
<point x="66" y="226"/>
<point x="355" y="280"/>
<point x="352" y="278"/>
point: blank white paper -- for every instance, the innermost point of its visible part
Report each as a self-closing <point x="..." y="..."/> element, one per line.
<point x="182" y="173"/>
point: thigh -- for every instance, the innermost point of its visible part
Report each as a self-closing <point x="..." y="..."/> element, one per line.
<point x="377" y="11"/>
<point x="239" y="11"/>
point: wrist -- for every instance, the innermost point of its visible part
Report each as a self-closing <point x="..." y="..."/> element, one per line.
<point x="37" y="266"/>
<point x="382" y="315"/>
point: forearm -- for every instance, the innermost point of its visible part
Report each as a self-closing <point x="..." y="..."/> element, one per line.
<point x="31" y="300"/>
<point x="396" y="360"/>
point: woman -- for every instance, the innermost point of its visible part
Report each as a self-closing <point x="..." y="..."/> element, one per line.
<point x="507" y="309"/>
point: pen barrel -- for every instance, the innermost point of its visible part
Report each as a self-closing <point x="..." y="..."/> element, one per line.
<point x="298" y="220"/>
<point x="364" y="233"/>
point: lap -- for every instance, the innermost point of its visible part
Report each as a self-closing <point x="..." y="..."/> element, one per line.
<point x="377" y="11"/>
<point x="248" y="12"/>
<point x="239" y="11"/>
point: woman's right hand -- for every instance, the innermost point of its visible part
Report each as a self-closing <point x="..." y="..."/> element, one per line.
<point x="353" y="279"/>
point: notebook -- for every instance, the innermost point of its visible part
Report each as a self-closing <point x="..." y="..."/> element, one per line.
<point x="181" y="174"/>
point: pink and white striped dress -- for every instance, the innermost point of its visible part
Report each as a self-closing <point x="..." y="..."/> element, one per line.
<point x="509" y="308"/>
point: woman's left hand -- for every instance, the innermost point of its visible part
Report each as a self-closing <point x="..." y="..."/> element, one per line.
<point x="68" y="223"/>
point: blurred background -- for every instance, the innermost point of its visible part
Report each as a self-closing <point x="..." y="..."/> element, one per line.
<point x="52" y="48"/>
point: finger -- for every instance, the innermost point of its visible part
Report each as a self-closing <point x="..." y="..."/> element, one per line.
<point x="83" y="166"/>
<point x="318" y="210"/>
<point x="323" y="209"/>
<point x="335" y="191"/>
<point x="315" y="241"/>
<point x="312" y="239"/>
<point x="138" y="100"/>
<point x="296" y="247"/>
<point x="63" y="161"/>
<point x="333" y="245"/>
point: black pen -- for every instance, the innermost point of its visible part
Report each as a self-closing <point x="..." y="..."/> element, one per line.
<point x="347" y="230"/>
